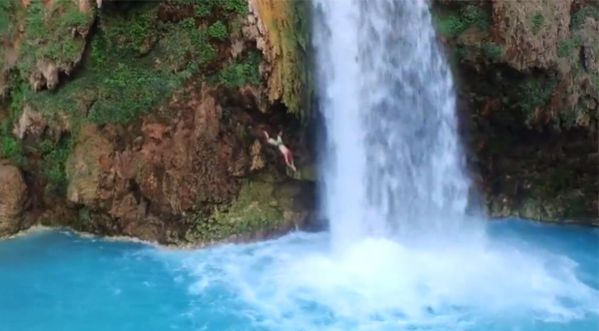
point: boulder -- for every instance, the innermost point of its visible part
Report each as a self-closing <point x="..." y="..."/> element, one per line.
<point x="86" y="166"/>
<point x="13" y="194"/>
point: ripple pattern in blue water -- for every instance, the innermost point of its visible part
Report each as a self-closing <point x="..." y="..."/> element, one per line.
<point x="526" y="277"/>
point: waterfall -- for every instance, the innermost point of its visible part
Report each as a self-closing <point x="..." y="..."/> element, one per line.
<point x="393" y="165"/>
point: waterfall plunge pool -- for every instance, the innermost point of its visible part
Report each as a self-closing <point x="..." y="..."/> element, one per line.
<point x="525" y="276"/>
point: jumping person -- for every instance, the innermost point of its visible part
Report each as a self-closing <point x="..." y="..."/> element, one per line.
<point x="286" y="152"/>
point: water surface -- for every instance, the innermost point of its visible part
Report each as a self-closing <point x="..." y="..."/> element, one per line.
<point x="526" y="277"/>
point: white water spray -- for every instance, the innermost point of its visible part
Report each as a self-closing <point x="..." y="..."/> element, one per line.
<point x="393" y="164"/>
<point x="396" y="195"/>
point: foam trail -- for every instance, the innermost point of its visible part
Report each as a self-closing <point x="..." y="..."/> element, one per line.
<point x="404" y="255"/>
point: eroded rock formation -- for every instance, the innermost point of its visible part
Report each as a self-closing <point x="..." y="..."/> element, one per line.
<point x="154" y="125"/>
<point x="13" y="194"/>
<point x="528" y="77"/>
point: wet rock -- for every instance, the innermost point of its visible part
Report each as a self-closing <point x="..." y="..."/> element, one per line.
<point x="265" y="206"/>
<point x="31" y="122"/>
<point x="272" y="24"/>
<point x="256" y="155"/>
<point x="527" y="82"/>
<point x="13" y="194"/>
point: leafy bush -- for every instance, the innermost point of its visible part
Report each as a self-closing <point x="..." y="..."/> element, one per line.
<point x="454" y="24"/>
<point x="132" y="31"/>
<point x="184" y="44"/>
<point x="74" y="18"/>
<point x="492" y="51"/>
<point x="451" y="26"/>
<point x="579" y="17"/>
<point x="218" y="31"/>
<point x="54" y="157"/>
<point x="533" y="93"/>
<point x="565" y="47"/>
<point x="474" y="15"/>
<point x="243" y="72"/>
<point x="234" y="6"/>
<point x="127" y="92"/>
<point x="537" y="23"/>
<point x="48" y="34"/>
<point x="5" y="12"/>
<point x="207" y="8"/>
<point x="10" y="147"/>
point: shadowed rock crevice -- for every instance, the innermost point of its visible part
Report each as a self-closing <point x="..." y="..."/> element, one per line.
<point x="527" y="81"/>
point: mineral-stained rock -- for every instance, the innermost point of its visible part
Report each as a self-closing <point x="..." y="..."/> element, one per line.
<point x="256" y="154"/>
<point x="87" y="165"/>
<point x="528" y="77"/>
<point x="30" y="122"/>
<point x="154" y="167"/>
<point x="266" y="205"/>
<point x="13" y="194"/>
<point x="529" y="30"/>
<point x="274" y="26"/>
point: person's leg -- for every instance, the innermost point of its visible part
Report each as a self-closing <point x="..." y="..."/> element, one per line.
<point x="289" y="160"/>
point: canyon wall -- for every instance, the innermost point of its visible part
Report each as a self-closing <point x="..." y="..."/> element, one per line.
<point x="146" y="119"/>
<point x="528" y="83"/>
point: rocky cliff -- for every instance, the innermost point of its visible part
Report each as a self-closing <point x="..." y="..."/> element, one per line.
<point x="528" y="83"/>
<point x="145" y="118"/>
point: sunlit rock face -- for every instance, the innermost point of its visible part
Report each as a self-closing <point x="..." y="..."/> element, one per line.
<point x="12" y="198"/>
<point x="530" y="31"/>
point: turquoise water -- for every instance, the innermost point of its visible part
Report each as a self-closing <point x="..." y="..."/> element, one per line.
<point x="523" y="276"/>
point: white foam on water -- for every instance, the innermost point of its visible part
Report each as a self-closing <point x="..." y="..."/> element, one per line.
<point x="298" y="283"/>
<point x="401" y="253"/>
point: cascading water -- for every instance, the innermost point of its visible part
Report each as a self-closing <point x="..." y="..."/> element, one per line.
<point x="393" y="174"/>
<point x="393" y="160"/>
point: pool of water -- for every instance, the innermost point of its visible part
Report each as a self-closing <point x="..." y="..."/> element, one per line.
<point x="521" y="276"/>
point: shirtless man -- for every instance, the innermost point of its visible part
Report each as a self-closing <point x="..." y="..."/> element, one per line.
<point x="286" y="152"/>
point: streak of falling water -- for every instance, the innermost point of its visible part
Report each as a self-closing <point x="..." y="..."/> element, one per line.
<point x="393" y="164"/>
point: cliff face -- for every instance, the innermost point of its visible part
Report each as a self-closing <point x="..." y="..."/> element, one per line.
<point x="145" y="118"/>
<point x="528" y="82"/>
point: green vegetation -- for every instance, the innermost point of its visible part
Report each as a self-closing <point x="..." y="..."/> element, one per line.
<point x="245" y="71"/>
<point x="10" y="148"/>
<point x="459" y="54"/>
<point x="128" y="91"/>
<point x="5" y="10"/>
<point x="239" y="7"/>
<point x="218" y="31"/>
<point x="533" y="93"/>
<point x="133" y="31"/>
<point x="452" y="25"/>
<point x="537" y="23"/>
<point x="580" y="16"/>
<point x="45" y="31"/>
<point x="54" y="156"/>
<point x="137" y="61"/>
<point x="255" y="209"/>
<point x="204" y="8"/>
<point x="565" y="47"/>
<point x="492" y="51"/>
<point x="184" y="47"/>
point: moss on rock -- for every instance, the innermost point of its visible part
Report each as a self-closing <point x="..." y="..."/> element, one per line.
<point x="263" y="207"/>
